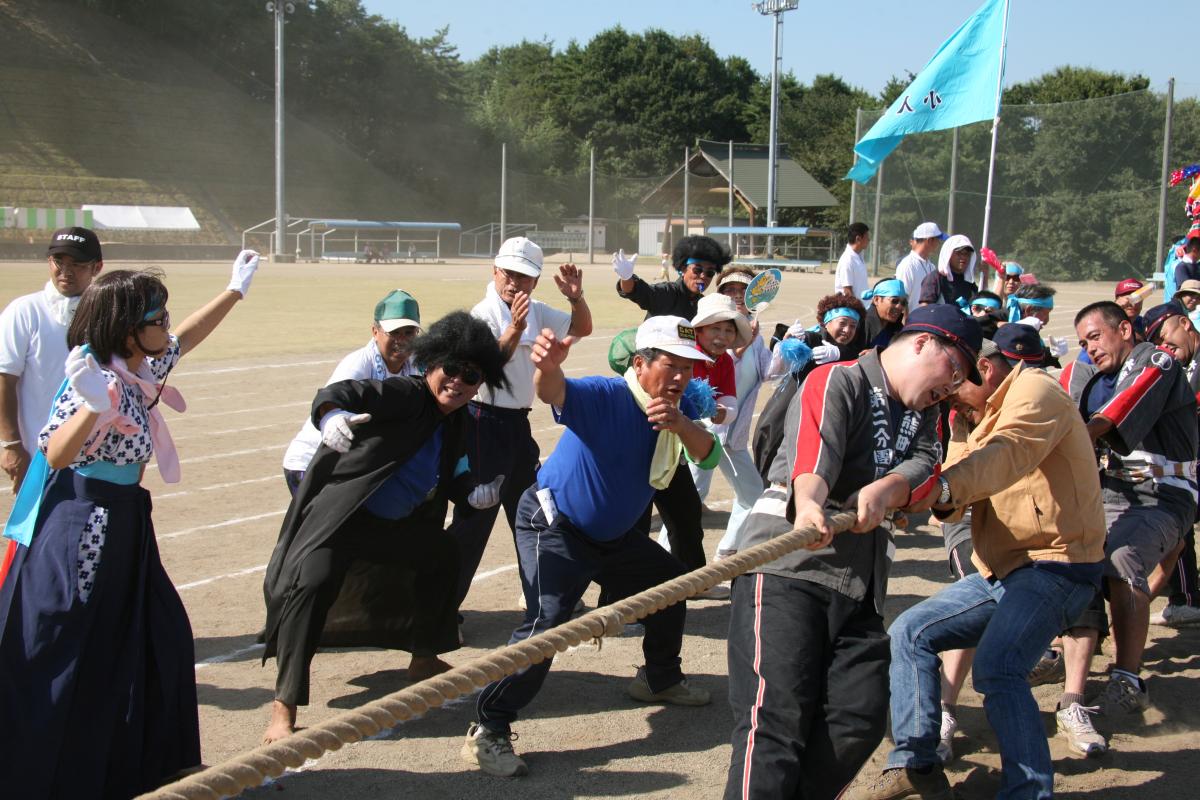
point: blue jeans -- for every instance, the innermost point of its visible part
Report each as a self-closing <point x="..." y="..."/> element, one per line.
<point x="1011" y="621"/>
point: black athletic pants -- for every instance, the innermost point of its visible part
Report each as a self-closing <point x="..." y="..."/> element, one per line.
<point x="808" y="683"/>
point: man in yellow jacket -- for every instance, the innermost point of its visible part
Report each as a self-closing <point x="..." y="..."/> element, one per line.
<point x="1024" y="465"/>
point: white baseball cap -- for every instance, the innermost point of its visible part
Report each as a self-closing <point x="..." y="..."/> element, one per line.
<point x="520" y="255"/>
<point x="929" y="230"/>
<point x="674" y="335"/>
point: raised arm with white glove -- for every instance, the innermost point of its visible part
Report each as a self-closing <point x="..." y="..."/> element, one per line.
<point x="337" y="429"/>
<point x="622" y="265"/>
<point x="86" y="379"/>
<point x="244" y="267"/>
<point x="486" y="495"/>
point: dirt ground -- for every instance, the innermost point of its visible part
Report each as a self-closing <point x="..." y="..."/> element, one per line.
<point x="248" y="389"/>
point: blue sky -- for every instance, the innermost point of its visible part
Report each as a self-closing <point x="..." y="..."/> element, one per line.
<point x="864" y="42"/>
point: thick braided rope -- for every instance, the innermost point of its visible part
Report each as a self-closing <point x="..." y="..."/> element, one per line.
<point x="248" y="770"/>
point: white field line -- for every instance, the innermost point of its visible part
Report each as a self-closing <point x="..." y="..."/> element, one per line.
<point x="233" y="453"/>
<point x="169" y="495"/>
<point x="227" y="370"/>
<point x="227" y="523"/>
<point x="184" y="418"/>
<point x="247" y="429"/>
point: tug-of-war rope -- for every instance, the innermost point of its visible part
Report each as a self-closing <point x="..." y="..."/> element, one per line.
<point x="249" y="770"/>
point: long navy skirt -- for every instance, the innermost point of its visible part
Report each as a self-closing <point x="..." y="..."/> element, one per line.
<point x="97" y="668"/>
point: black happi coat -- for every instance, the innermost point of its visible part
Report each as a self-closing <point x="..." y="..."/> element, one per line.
<point x="374" y="605"/>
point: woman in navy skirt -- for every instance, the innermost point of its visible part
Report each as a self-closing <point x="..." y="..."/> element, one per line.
<point x="97" y="675"/>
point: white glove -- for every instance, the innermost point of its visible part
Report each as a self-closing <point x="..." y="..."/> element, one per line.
<point x="337" y="429"/>
<point x="86" y="379"/>
<point x="622" y="265"/>
<point x="824" y="353"/>
<point x="796" y="330"/>
<point x="1032" y="322"/>
<point x="1058" y="346"/>
<point x="486" y="495"/>
<point x="243" y="272"/>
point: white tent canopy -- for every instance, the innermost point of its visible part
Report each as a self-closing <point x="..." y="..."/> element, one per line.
<point x="158" y="218"/>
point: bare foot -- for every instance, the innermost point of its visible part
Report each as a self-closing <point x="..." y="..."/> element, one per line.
<point x="283" y="722"/>
<point x="422" y="667"/>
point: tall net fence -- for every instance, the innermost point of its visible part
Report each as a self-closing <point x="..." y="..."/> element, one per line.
<point x="1076" y="193"/>
<point x="557" y="203"/>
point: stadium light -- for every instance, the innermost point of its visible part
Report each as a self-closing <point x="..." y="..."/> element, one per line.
<point x="279" y="10"/>
<point x="775" y="8"/>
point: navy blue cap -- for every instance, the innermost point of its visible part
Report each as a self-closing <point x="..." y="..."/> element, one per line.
<point x="1156" y="316"/>
<point x="1019" y="342"/>
<point x="949" y="324"/>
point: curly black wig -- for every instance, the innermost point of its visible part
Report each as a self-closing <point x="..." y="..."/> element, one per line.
<point x="461" y="339"/>
<point x="832" y="301"/>
<point x="704" y="248"/>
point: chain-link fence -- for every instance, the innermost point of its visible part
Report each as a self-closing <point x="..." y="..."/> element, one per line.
<point x="1076" y="192"/>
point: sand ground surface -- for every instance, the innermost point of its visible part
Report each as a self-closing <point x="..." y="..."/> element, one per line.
<point x="248" y="390"/>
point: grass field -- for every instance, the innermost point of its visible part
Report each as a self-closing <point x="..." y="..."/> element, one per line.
<point x="248" y="390"/>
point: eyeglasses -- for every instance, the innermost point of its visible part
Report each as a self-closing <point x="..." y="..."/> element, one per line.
<point x="468" y="375"/>
<point x="897" y="301"/>
<point x="956" y="376"/>
<point x="707" y="272"/>
<point x="163" y="322"/>
<point x="62" y="265"/>
<point x="401" y="334"/>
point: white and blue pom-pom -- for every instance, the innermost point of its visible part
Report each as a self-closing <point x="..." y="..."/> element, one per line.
<point x="795" y="353"/>
<point x="703" y="397"/>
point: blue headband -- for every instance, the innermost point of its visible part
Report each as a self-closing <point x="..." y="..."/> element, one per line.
<point x="888" y="288"/>
<point x="834" y="313"/>
<point x="151" y="313"/>
<point x="1013" y="268"/>
<point x="990" y="302"/>
<point x="1014" y="304"/>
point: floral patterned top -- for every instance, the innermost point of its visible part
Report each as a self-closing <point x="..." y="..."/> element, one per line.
<point x="117" y="446"/>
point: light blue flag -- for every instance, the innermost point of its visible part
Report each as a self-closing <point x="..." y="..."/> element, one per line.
<point x="958" y="86"/>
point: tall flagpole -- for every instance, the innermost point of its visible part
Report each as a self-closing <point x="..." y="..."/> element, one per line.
<point x="987" y="208"/>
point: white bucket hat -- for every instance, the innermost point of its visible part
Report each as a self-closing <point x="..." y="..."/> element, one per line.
<point x="717" y="308"/>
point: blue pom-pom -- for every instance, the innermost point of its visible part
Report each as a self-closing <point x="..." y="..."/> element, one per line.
<point x="703" y="397"/>
<point x="795" y="354"/>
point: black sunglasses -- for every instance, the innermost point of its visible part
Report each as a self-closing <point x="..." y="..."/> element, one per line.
<point x="469" y="375"/>
<point x="699" y="270"/>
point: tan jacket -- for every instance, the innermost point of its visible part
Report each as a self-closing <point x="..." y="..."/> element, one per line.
<point x="1028" y="471"/>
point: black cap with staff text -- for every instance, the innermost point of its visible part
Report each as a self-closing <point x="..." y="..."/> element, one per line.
<point x="81" y="244"/>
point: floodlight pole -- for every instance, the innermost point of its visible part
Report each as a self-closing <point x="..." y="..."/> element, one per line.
<point x="731" y="191"/>
<point x="686" y="155"/>
<point x="854" y="184"/>
<point x="279" y="9"/>
<point x="503" y="189"/>
<point x="776" y="8"/>
<point x="592" y="208"/>
<point x="1166" y="171"/>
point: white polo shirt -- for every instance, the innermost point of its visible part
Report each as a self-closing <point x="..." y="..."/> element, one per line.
<point x="519" y="369"/>
<point x="363" y="364"/>
<point x="851" y="271"/>
<point x="33" y="347"/>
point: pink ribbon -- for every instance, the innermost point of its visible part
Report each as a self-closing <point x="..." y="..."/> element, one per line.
<point x="164" y="446"/>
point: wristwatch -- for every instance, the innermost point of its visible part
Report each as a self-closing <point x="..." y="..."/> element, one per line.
<point x="944" y="497"/>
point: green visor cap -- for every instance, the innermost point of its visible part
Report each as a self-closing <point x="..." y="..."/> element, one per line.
<point x="622" y="350"/>
<point x="397" y="310"/>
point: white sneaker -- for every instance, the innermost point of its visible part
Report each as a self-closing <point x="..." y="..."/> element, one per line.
<point x="945" y="748"/>
<point x="1075" y="725"/>
<point x="492" y="752"/>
